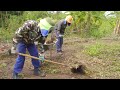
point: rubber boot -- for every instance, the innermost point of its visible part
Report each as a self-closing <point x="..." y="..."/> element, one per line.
<point x="38" y="72"/>
<point x="59" y="52"/>
<point x="15" y="75"/>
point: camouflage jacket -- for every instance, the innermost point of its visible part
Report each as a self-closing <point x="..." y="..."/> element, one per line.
<point x="28" y="33"/>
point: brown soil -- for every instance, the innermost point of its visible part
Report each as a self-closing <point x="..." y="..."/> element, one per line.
<point x="72" y="55"/>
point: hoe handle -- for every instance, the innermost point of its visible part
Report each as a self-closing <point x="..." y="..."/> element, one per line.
<point x="26" y="55"/>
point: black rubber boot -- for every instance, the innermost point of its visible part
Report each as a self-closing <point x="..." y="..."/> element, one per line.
<point x="59" y="52"/>
<point x="38" y="72"/>
<point x="15" y="75"/>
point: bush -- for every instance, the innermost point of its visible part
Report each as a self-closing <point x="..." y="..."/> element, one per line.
<point x="105" y="29"/>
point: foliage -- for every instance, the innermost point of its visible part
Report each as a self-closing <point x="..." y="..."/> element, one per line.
<point x="85" y="23"/>
<point x="35" y="15"/>
<point x="92" y="24"/>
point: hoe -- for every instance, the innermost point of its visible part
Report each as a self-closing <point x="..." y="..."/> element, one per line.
<point x="79" y="69"/>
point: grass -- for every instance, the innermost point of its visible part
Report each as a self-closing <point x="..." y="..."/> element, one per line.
<point x="104" y="59"/>
<point x="94" y="50"/>
<point x="101" y="49"/>
<point x="6" y="35"/>
<point x="3" y="65"/>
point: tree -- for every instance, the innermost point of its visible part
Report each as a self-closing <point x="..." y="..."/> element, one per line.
<point x="117" y="26"/>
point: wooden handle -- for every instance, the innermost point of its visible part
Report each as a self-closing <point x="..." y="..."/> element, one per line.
<point x="44" y="60"/>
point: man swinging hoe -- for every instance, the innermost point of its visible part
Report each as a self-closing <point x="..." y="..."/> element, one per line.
<point x="24" y="39"/>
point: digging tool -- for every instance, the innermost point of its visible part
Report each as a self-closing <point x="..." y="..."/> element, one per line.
<point x="77" y="69"/>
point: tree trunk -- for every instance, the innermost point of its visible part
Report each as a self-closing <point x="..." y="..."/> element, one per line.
<point x="117" y="28"/>
<point x="87" y="26"/>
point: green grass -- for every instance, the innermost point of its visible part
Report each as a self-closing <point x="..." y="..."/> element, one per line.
<point x="94" y="50"/>
<point x="6" y="35"/>
<point x="104" y="51"/>
<point x="106" y="58"/>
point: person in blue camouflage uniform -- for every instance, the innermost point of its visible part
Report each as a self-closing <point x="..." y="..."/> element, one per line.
<point x="25" y="37"/>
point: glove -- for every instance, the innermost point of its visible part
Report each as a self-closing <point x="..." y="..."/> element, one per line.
<point x="41" y="57"/>
<point x="36" y="43"/>
<point x="55" y="41"/>
<point x="61" y="35"/>
<point x="13" y="50"/>
<point x="42" y="48"/>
